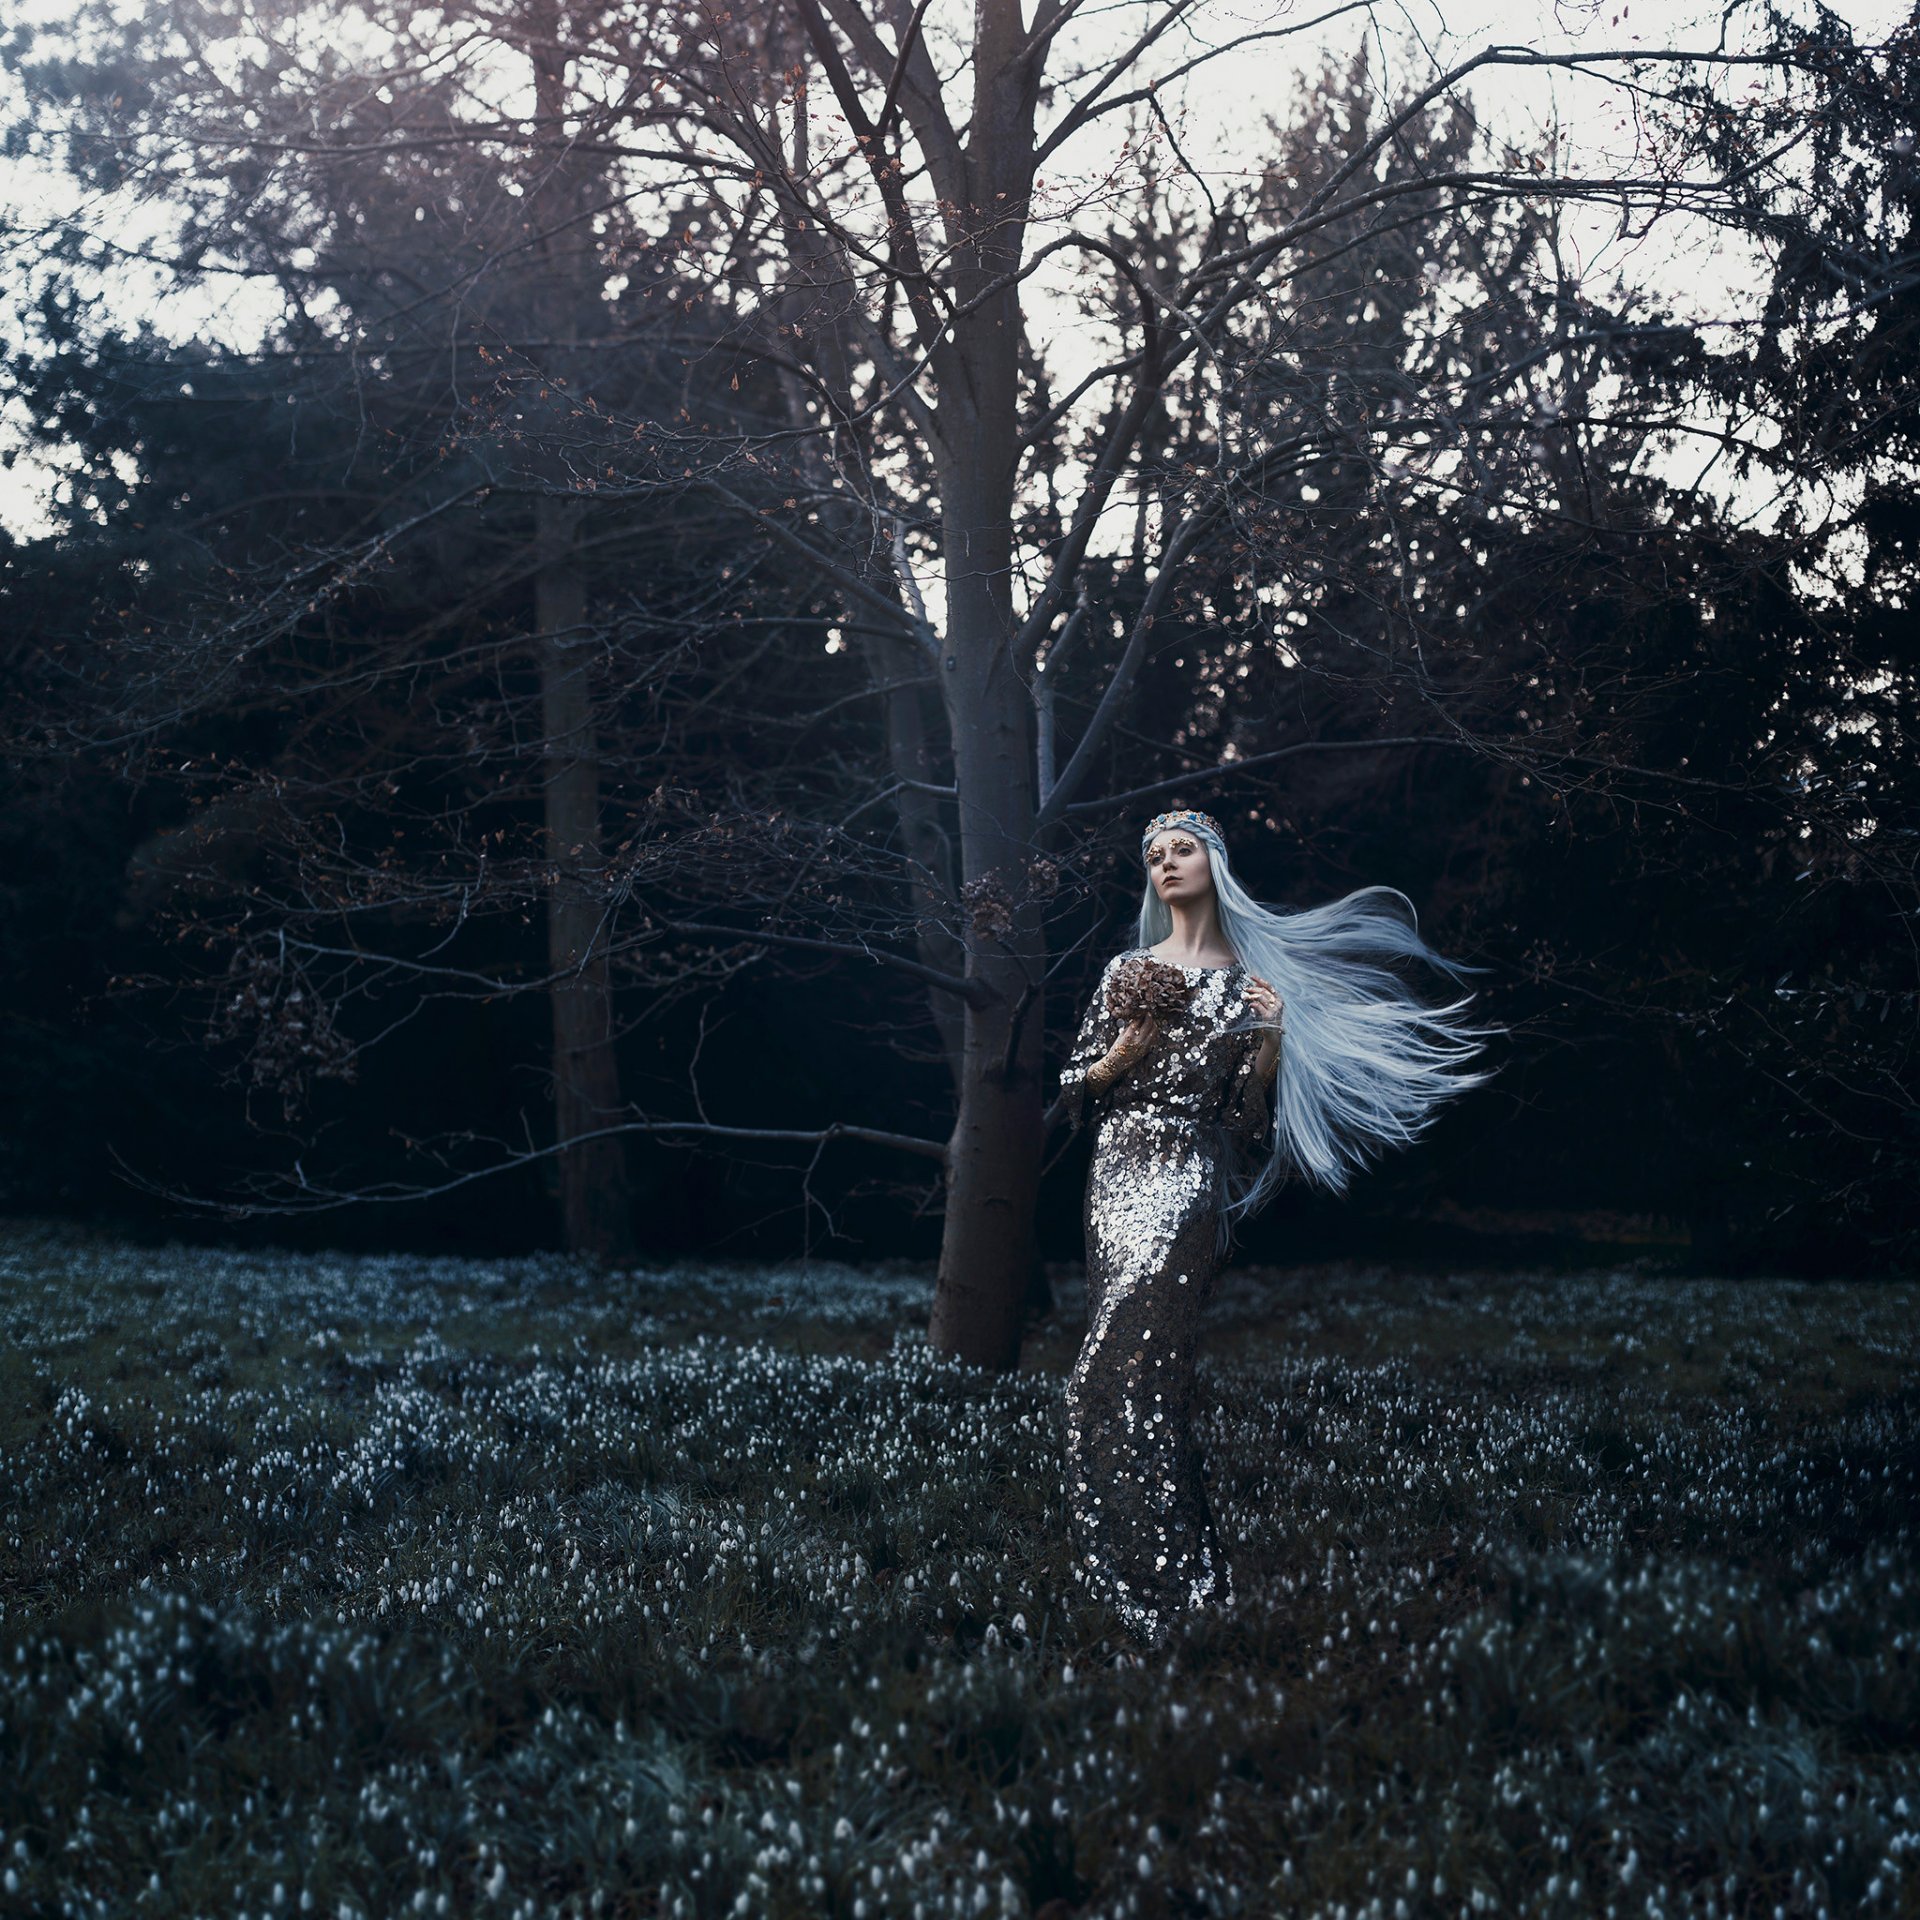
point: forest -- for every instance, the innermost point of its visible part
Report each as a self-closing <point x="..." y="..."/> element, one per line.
<point x="601" y="696"/>
<point x="595" y="596"/>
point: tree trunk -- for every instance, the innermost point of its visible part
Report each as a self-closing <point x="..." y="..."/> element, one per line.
<point x="988" y="1247"/>
<point x="989" y="1244"/>
<point x="596" y="1208"/>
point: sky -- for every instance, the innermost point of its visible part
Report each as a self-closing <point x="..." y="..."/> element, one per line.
<point x="1214" y="117"/>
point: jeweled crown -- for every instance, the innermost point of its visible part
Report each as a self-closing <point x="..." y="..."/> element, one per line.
<point x="1180" y="817"/>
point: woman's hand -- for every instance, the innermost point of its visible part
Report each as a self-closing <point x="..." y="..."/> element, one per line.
<point x="1267" y="1009"/>
<point x="1264" y="1002"/>
<point x="1132" y="1041"/>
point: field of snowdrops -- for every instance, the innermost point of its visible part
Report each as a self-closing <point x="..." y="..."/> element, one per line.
<point x="368" y="1587"/>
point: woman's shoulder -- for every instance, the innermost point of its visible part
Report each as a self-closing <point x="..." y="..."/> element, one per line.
<point x="1231" y="966"/>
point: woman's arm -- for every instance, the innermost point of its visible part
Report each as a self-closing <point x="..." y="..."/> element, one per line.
<point x="1135" y="1038"/>
<point x="1246" y="1106"/>
<point x="1102" y="1051"/>
<point x="1271" y="1013"/>
<point x="1266" y="1059"/>
<point x="1249" y="1110"/>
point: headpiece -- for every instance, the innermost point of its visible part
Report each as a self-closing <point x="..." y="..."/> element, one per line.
<point x="1180" y="817"/>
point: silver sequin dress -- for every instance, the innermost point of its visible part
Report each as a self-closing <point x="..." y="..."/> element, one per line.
<point x="1165" y="1134"/>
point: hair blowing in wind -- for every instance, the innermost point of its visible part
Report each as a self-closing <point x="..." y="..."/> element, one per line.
<point x="1365" y="1062"/>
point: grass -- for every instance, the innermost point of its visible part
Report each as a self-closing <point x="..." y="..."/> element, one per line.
<point x="386" y="1586"/>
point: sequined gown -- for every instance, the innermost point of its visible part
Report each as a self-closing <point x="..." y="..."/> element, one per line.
<point x="1164" y="1135"/>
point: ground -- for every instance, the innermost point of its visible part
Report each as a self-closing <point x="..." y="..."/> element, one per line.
<point x="369" y="1586"/>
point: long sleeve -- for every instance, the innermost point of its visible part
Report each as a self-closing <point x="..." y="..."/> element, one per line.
<point x="1099" y="1029"/>
<point x="1246" y="1110"/>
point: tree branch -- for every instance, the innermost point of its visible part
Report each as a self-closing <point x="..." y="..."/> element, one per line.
<point x="973" y="992"/>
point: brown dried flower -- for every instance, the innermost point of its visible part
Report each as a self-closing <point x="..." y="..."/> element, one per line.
<point x="989" y="908"/>
<point x="274" y="1010"/>
<point x="1143" y="988"/>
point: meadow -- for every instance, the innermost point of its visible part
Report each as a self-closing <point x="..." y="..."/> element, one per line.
<point x="381" y="1586"/>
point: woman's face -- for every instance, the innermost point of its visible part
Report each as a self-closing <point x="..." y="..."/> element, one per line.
<point x="1177" y="865"/>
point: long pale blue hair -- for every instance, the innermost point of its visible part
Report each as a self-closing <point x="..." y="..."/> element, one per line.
<point x="1364" y="1062"/>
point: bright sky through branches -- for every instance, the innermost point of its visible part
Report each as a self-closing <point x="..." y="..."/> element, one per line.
<point x="1214" y="115"/>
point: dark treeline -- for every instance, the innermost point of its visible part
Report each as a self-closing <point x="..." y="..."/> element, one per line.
<point x="489" y="759"/>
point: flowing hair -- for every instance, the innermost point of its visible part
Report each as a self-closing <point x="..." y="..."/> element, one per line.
<point x="1364" y="1063"/>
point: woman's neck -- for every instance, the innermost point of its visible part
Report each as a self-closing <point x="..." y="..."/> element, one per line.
<point x="1196" y="939"/>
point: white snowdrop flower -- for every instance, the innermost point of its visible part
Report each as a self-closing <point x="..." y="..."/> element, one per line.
<point x="1144" y="1866"/>
<point x="843" y="1828"/>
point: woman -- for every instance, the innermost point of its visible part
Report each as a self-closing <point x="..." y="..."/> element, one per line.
<point x="1179" y="1056"/>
